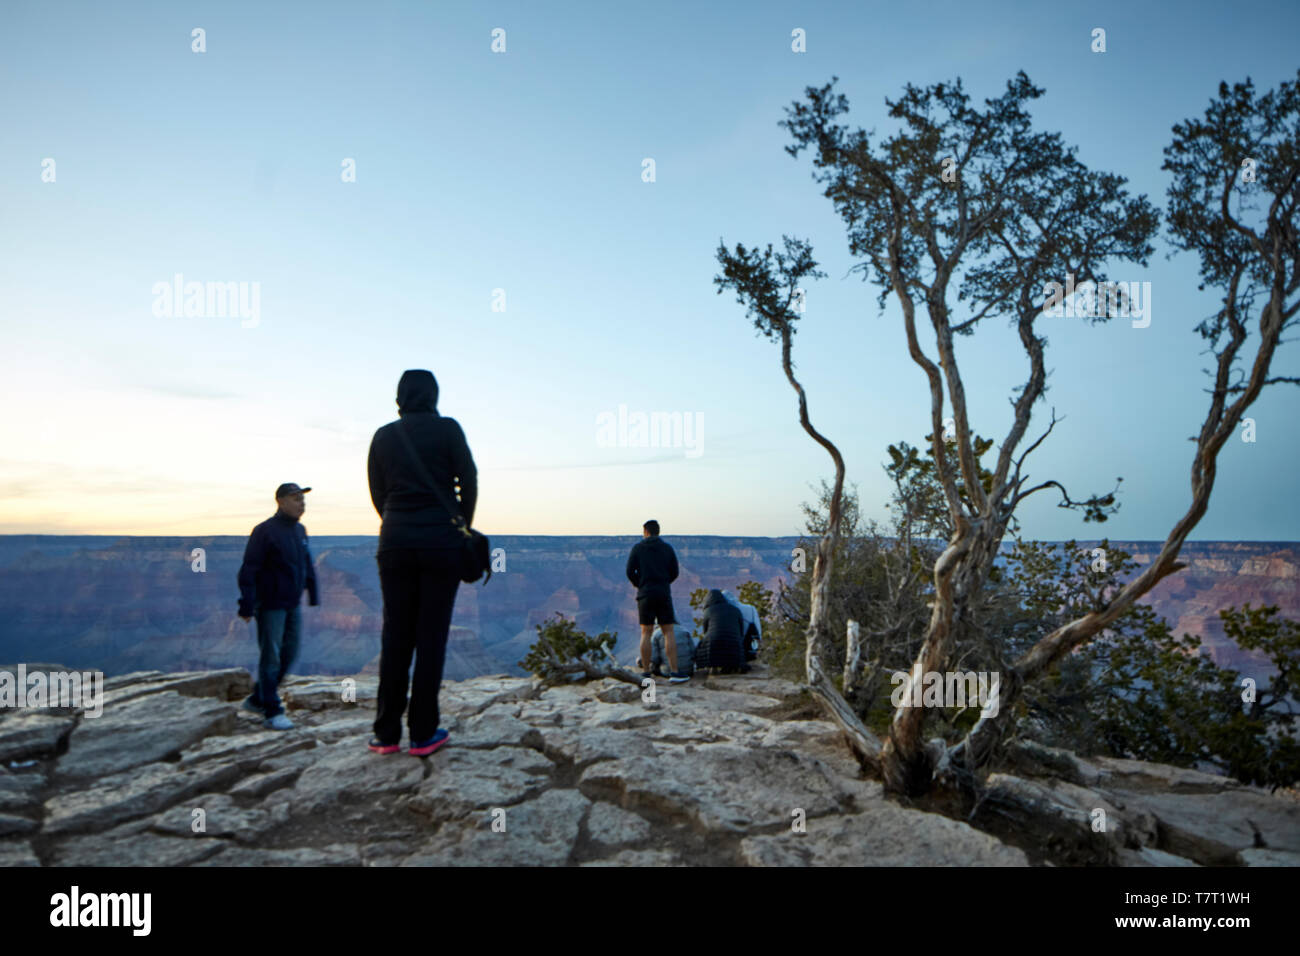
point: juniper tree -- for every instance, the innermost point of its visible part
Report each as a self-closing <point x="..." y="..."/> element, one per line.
<point x="975" y="204"/>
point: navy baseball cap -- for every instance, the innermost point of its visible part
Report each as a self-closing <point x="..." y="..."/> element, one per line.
<point x="289" y="488"/>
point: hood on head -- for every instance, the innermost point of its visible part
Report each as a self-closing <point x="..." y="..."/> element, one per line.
<point x="714" y="597"/>
<point x="417" y="391"/>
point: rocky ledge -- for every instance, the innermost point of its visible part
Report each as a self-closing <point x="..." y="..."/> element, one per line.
<point x="724" y="771"/>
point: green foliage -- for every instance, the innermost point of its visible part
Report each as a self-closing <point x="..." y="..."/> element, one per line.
<point x="1135" y="691"/>
<point x="559" y="643"/>
<point x="698" y="597"/>
<point x="753" y="592"/>
<point x="1139" y="691"/>
<point x="1175" y="706"/>
<point x="919" y="504"/>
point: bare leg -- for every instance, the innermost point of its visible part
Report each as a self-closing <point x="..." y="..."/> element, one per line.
<point x="644" y="663"/>
<point x="670" y="646"/>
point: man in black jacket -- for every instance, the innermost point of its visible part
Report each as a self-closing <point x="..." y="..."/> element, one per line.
<point x="419" y="549"/>
<point x="652" y="567"/>
<point x="277" y="567"/>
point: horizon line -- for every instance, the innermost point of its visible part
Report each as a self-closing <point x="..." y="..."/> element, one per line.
<point x="595" y="534"/>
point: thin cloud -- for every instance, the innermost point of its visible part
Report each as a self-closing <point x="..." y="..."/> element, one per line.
<point x="186" y="390"/>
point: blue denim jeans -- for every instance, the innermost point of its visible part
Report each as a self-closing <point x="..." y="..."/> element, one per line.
<point x="278" y="632"/>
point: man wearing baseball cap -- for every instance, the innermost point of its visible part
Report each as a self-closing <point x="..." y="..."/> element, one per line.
<point x="277" y="566"/>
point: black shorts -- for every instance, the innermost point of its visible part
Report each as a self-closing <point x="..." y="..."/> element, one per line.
<point x="654" y="606"/>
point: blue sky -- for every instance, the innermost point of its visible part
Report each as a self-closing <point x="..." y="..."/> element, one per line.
<point x="521" y="171"/>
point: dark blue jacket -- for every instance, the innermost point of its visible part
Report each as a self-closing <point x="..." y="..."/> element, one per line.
<point x="652" y="566"/>
<point x="277" y="566"/>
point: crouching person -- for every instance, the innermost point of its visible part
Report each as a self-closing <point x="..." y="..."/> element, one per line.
<point x="659" y="657"/>
<point x="720" y="635"/>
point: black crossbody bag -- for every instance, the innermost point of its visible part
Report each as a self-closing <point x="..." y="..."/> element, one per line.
<point x="475" y="554"/>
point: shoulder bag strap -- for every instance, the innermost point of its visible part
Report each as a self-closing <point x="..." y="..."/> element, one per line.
<point x="457" y="518"/>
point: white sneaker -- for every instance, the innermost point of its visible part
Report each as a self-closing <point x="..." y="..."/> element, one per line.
<point x="278" y="722"/>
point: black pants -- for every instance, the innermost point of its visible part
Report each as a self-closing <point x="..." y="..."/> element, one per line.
<point x="419" y="587"/>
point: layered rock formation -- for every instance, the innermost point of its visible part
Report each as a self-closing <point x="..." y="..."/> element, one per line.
<point x="1222" y="574"/>
<point x="135" y="603"/>
<point x="721" y="771"/>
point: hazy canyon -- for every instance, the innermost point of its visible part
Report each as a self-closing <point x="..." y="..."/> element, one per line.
<point x="135" y="603"/>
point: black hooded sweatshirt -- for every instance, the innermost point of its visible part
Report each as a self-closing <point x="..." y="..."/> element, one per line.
<point x="413" y="516"/>
<point x="652" y="566"/>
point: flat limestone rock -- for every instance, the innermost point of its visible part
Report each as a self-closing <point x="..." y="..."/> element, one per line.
<point x="135" y="793"/>
<point x="247" y="750"/>
<point x="1029" y="758"/>
<point x="1213" y="828"/>
<point x="134" y="677"/>
<point x="141" y="731"/>
<point x="821" y="738"/>
<point x="783" y="690"/>
<point x="618" y="692"/>
<point x="261" y="784"/>
<point x="221" y="817"/>
<point x="541" y="832"/>
<point x="1150" y="856"/>
<point x="17" y="853"/>
<point x="620" y="716"/>
<point x="299" y="760"/>
<point x="26" y="734"/>
<point x="714" y="696"/>
<point x="133" y="846"/>
<point x="20" y="793"/>
<point x="356" y="726"/>
<point x="336" y="854"/>
<point x="465" y="781"/>
<point x="11" y="825"/>
<point x="231" y="683"/>
<point x="638" y="858"/>
<point x="719" y="787"/>
<point x="614" y="826"/>
<point x="345" y="773"/>
<point x="885" y="835"/>
<point x="317" y="694"/>
<point x="580" y="745"/>
<point x="1258" y="856"/>
<point x="496" y="726"/>
<point x="477" y="695"/>
<point x="1138" y="775"/>
<point x="693" y="725"/>
<point x="571" y="695"/>
<point x="547" y="712"/>
<point x="1057" y="818"/>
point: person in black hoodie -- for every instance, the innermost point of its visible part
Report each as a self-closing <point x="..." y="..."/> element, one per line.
<point x="418" y="557"/>
<point x="277" y="567"/>
<point x="721" y="635"/>
<point x="652" y="567"/>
